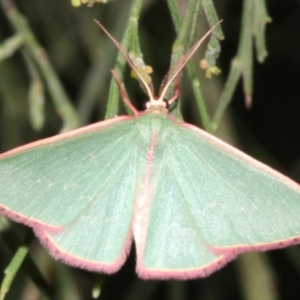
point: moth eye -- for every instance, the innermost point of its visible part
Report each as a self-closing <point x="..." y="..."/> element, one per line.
<point x="146" y="104"/>
<point x="166" y="103"/>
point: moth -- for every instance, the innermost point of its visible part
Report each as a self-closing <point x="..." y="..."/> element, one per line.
<point x="189" y="201"/>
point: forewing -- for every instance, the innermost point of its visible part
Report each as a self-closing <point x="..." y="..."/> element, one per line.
<point x="246" y="204"/>
<point x="77" y="191"/>
<point x="208" y="202"/>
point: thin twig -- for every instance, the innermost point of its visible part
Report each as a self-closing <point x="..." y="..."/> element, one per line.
<point x="61" y="100"/>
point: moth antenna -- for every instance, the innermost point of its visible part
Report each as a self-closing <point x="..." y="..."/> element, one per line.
<point x="123" y="93"/>
<point x="177" y="68"/>
<point x="176" y="92"/>
<point x="146" y="87"/>
<point x="169" y="74"/>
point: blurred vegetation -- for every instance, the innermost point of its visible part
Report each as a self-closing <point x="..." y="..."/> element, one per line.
<point x="54" y="76"/>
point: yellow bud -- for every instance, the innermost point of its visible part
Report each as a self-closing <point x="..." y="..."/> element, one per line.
<point x="76" y="3"/>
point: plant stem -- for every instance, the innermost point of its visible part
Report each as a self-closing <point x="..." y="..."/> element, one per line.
<point x="254" y="18"/>
<point x="61" y="100"/>
<point x="114" y="95"/>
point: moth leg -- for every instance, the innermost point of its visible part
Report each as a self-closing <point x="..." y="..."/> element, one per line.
<point x="176" y="91"/>
<point x="123" y="93"/>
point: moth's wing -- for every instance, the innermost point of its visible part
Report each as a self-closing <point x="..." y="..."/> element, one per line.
<point x="208" y="202"/>
<point x="76" y="190"/>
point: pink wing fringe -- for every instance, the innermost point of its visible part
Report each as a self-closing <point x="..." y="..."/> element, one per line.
<point x="228" y="148"/>
<point x="227" y="254"/>
<point x="62" y="136"/>
<point x="43" y="231"/>
<point x="78" y="262"/>
<point x="200" y="272"/>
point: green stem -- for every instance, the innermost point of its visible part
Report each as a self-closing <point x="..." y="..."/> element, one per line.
<point x="257" y="277"/>
<point x="181" y="45"/>
<point x="21" y="259"/>
<point x="113" y="97"/>
<point x="212" y="18"/>
<point x="241" y="62"/>
<point x="10" y="46"/>
<point x="254" y="18"/>
<point x="36" y="97"/>
<point x="261" y="18"/>
<point x="61" y="100"/>
<point x="92" y="88"/>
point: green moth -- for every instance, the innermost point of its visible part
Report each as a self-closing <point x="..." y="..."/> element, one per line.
<point x="190" y="202"/>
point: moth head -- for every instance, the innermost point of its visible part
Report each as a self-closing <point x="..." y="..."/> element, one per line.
<point x="158" y="103"/>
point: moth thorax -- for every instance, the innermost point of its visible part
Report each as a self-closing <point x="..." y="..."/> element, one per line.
<point x="157" y="105"/>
